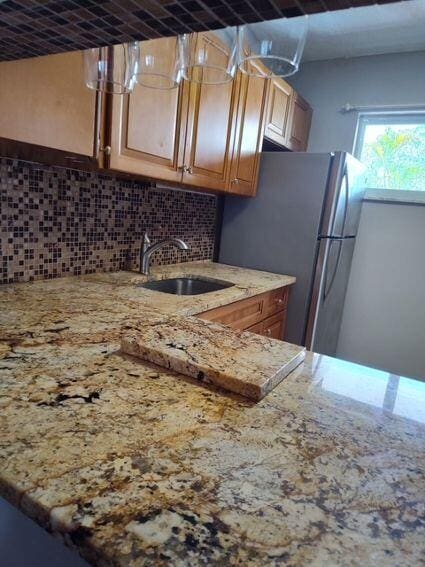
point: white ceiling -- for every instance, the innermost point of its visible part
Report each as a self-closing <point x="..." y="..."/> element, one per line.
<point x="389" y="28"/>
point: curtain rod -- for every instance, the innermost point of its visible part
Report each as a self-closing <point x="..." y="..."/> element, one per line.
<point x="383" y="108"/>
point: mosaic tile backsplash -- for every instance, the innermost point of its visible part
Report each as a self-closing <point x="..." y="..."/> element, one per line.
<point x="58" y="222"/>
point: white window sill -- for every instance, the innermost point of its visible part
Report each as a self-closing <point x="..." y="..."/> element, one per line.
<point x="395" y="196"/>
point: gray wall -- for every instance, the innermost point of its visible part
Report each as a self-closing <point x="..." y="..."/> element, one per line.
<point x="381" y="79"/>
<point x="384" y="315"/>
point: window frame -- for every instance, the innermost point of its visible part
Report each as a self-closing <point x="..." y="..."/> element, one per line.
<point x="381" y="118"/>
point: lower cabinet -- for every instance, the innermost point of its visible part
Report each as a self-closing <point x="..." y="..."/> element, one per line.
<point x="264" y="314"/>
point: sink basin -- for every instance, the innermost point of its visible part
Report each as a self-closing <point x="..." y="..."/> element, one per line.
<point x="186" y="285"/>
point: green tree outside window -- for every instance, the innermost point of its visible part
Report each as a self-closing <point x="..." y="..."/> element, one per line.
<point x="395" y="159"/>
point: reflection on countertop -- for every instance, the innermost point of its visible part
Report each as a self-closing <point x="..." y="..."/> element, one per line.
<point x="133" y="464"/>
<point x="393" y="394"/>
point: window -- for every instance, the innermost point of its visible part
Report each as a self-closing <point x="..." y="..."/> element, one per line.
<point x="392" y="148"/>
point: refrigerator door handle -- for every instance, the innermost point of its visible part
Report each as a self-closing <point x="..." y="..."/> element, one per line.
<point x="347" y="199"/>
<point x="328" y="283"/>
<point x="340" y="220"/>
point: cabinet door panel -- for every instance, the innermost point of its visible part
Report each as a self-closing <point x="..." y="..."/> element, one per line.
<point x="249" y="126"/>
<point x="147" y="129"/>
<point x="278" y="112"/>
<point x="45" y="102"/>
<point x="153" y="114"/>
<point x="300" y="124"/>
<point x="209" y="123"/>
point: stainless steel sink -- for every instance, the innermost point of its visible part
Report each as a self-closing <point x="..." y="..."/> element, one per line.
<point x="186" y="285"/>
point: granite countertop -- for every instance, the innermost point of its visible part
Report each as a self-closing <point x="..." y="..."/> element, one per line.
<point x="246" y="284"/>
<point x="135" y="465"/>
<point x="237" y="361"/>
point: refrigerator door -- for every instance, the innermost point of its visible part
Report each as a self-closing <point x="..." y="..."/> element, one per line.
<point x="344" y="197"/>
<point x="277" y="231"/>
<point x="329" y="289"/>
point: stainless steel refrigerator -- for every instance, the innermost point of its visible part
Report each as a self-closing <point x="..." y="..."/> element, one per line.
<point x="303" y="222"/>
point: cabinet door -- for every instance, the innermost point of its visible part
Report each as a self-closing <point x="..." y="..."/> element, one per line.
<point x="248" y="116"/>
<point x="273" y="327"/>
<point x="147" y="128"/>
<point x="278" y="112"/>
<point x="209" y="125"/>
<point x="301" y="114"/>
<point x="45" y="102"/>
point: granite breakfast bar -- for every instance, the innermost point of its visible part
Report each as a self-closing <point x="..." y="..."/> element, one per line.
<point x="132" y="464"/>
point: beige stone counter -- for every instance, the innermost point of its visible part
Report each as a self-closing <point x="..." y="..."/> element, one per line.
<point x="135" y="465"/>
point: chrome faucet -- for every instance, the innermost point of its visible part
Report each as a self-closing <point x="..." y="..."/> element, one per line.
<point x="146" y="250"/>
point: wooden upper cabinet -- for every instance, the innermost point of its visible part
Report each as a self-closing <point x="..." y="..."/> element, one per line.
<point x="209" y="125"/>
<point x="201" y="135"/>
<point x="248" y="117"/>
<point x="278" y="112"/>
<point x="44" y="101"/>
<point x="301" y="114"/>
<point x="147" y="128"/>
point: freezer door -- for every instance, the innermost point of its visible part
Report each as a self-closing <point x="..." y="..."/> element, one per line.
<point x="329" y="289"/>
<point x="354" y="180"/>
<point x="344" y="197"/>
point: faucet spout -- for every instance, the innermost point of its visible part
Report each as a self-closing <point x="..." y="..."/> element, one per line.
<point x="147" y="250"/>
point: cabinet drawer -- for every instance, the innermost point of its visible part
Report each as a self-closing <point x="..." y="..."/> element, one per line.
<point x="247" y="313"/>
<point x="273" y="326"/>
<point x="239" y="315"/>
<point x="257" y="328"/>
<point x="275" y="301"/>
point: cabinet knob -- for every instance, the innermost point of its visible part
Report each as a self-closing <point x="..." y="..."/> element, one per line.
<point x="279" y="301"/>
<point x="106" y="150"/>
<point x="186" y="169"/>
<point x="235" y="180"/>
<point x="189" y="170"/>
<point x="268" y="332"/>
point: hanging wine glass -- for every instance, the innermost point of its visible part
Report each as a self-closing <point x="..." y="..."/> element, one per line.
<point x="209" y="58"/>
<point x="160" y="63"/>
<point x="275" y="47"/>
<point x="112" y="69"/>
